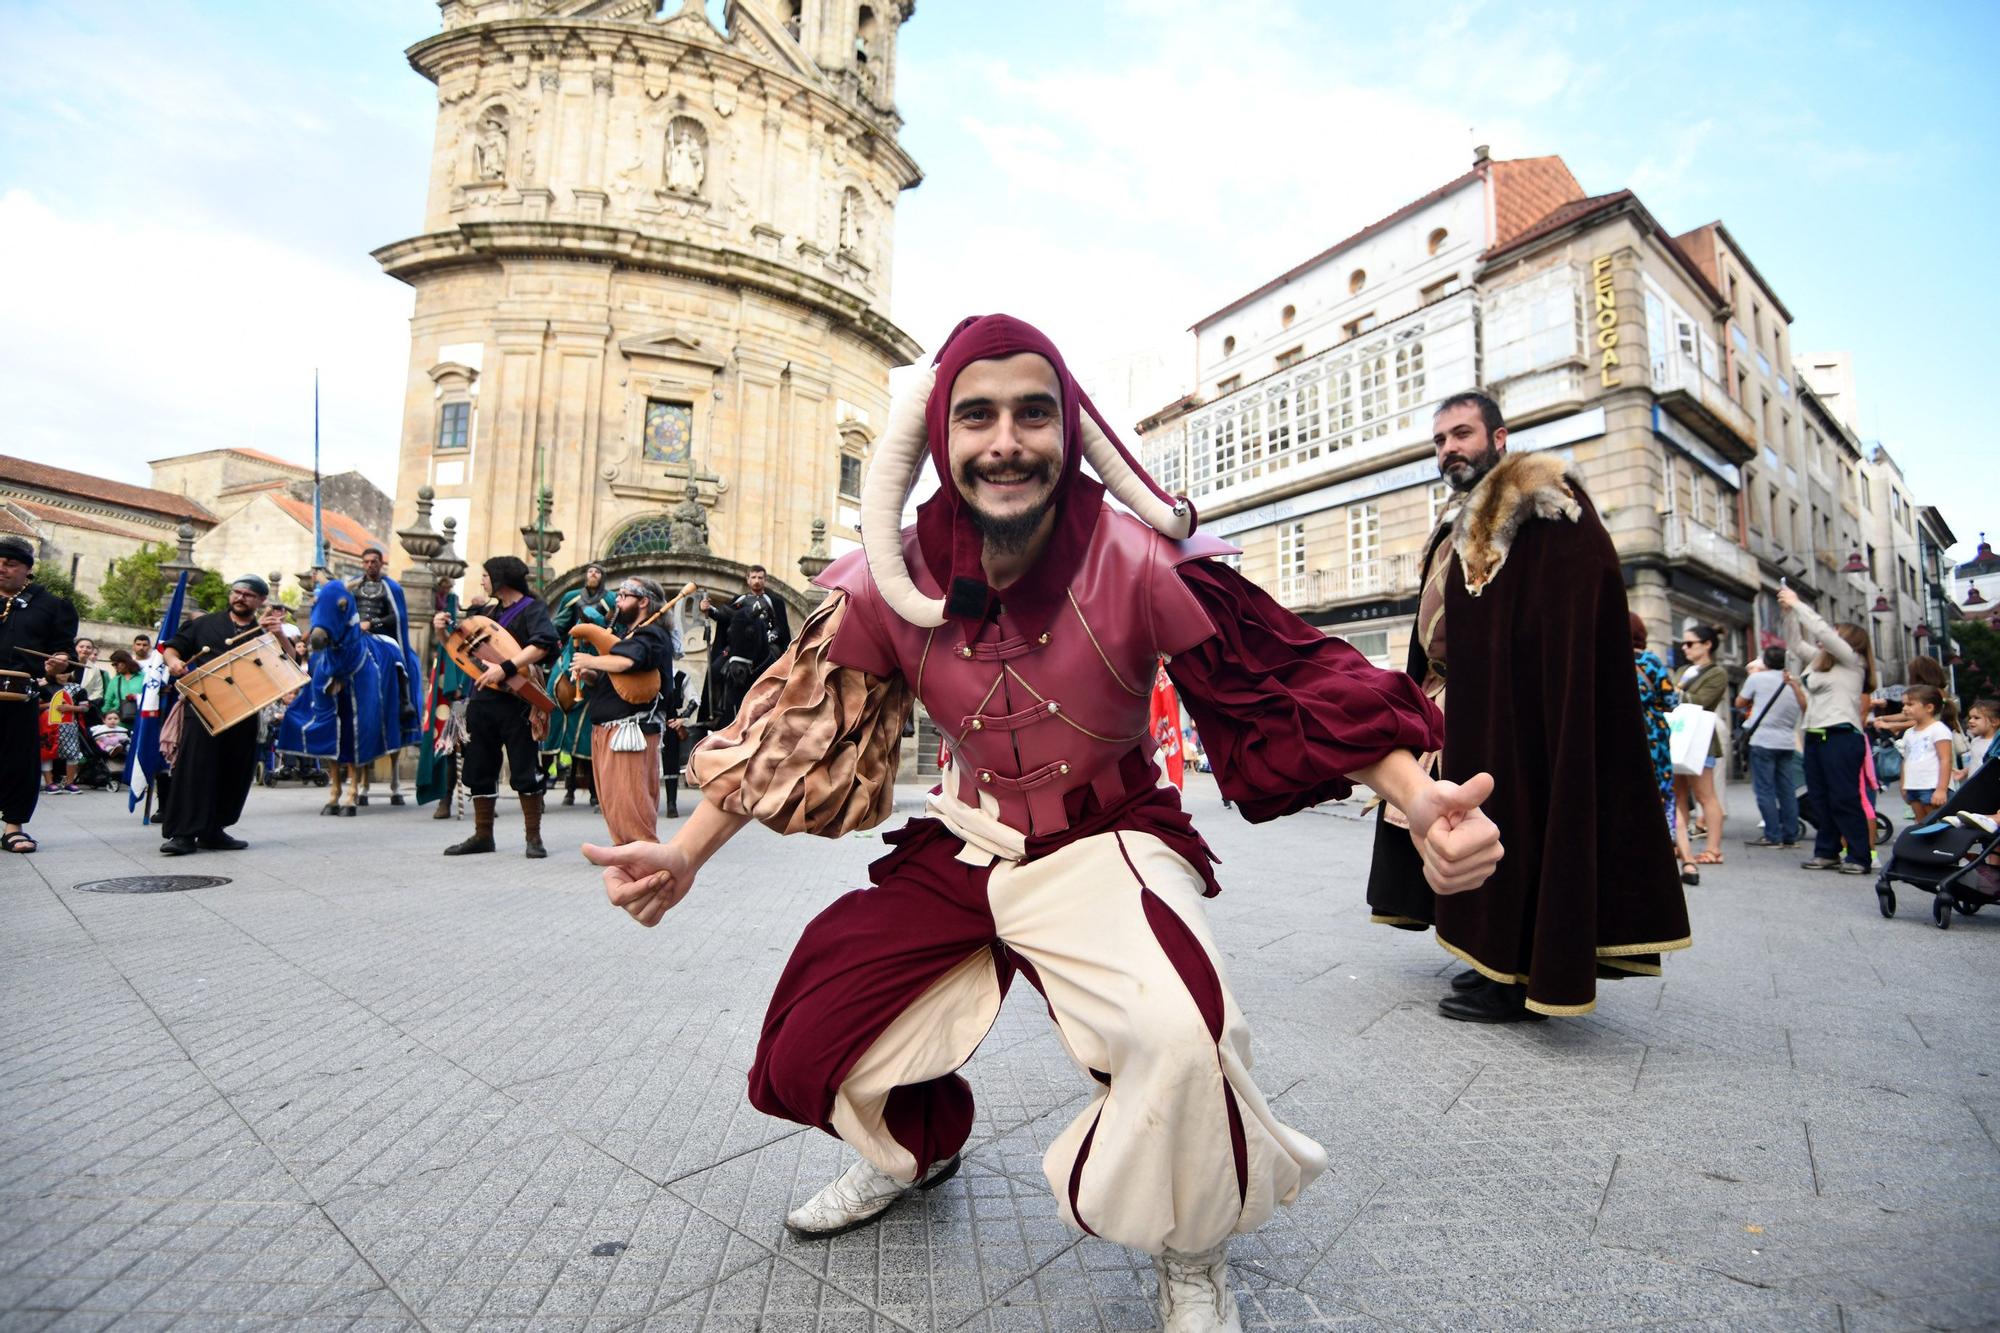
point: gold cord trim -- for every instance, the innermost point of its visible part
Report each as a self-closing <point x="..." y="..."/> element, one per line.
<point x="1637" y="969"/>
<point x="1381" y="920"/>
<point x="1092" y="636"/>
<point x="1065" y="717"/>
<point x="1621" y="950"/>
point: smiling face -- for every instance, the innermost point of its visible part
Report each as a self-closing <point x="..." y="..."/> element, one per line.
<point x="1005" y="445"/>
<point x="244" y="603"/>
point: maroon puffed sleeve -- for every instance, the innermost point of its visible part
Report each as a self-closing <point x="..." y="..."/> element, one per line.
<point x="1284" y="712"/>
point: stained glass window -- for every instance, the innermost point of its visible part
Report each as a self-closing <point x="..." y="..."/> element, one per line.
<point x="669" y="431"/>
<point x="646" y="534"/>
<point x="452" y="423"/>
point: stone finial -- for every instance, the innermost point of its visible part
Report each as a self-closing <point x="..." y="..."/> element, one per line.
<point x="444" y="563"/>
<point x="418" y="540"/>
<point x="818" y="554"/>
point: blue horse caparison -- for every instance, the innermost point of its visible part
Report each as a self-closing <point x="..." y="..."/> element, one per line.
<point x="361" y="706"/>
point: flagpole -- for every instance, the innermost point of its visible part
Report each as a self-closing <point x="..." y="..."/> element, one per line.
<point x="319" y="531"/>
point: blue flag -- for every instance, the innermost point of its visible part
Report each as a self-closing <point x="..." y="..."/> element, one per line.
<point x="142" y="758"/>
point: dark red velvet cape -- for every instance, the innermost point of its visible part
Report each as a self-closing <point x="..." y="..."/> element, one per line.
<point x="1540" y="694"/>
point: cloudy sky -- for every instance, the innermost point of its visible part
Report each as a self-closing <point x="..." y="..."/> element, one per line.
<point x="189" y="191"/>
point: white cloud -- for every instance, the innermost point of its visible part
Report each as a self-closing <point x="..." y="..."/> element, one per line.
<point x="131" y="340"/>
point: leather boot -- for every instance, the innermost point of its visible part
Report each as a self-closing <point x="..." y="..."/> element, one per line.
<point x="482" y="829"/>
<point x="673" y="786"/>
<point x="531" y="825"/>
<point x="450" y="789"/>
<point x="569" y="785"/>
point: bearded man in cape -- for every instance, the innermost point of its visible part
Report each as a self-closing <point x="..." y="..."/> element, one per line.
<point x="1029" y="616"/>
<point x="1522" y="581"/>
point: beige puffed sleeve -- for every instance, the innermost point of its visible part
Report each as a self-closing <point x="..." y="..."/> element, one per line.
<point x="815" y="746"/>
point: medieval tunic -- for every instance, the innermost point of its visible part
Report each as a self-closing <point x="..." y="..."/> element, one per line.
<point x="1051" y="850"/>
<point x="627" y="780"/>
<point x="212" y="774"/>
<point x="497" y="721"/>
<point x="1540" y="696"/>
<point x="37" y="619"/>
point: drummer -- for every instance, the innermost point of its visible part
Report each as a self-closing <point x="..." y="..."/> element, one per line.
<point x="36" y="629"/>
<point x="211" y="774"/>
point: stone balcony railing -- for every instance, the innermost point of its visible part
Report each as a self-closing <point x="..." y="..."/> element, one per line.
<point x="1363" y="580"/>
<point x="1687" y="540"/>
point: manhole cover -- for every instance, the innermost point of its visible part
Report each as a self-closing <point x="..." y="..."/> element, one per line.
<point x="153" y="883"/>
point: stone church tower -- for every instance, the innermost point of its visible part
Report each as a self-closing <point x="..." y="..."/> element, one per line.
<point x="654" y="256"/>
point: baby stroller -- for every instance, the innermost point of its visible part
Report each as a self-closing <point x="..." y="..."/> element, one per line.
<point x="1947" y="860"/>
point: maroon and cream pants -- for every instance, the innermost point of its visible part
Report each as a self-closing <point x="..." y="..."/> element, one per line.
<point x="892" y="987"/>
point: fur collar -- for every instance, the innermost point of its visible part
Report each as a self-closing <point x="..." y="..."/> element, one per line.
<point x="1520" y="487"/>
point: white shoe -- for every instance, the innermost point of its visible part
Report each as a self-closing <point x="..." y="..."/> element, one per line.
<point x="861" y="1194"/>
<point x="1194" y="1293"/>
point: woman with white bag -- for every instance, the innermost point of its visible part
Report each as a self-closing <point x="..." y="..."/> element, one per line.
<point x="1698" y="746"/>
<point x="1842" y="674"/>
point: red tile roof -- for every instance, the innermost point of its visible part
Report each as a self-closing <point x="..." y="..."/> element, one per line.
<point x="343" y="534"/>
<point x="1603" y="205"/>
<point x="21" y="472"/>
<point x="69" y="518"/>
<point x="1526" y="190"/>
<point x="13" y="525"/>
<point x="257" y="454"/>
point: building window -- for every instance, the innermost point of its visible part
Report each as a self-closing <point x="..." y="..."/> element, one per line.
<point x="1436" y="241"/>
<point x="1364" y="535"/>
<point x="1290" y="357"/>
<point x="669" y="432"/>
<point x="650" y="534"/>
<point x="850" y="476"/>
<point x="1230" y="385"/>
<point x="1409" y="376"/>
<point x="1372" y="644"/>
<point x="1229" y="346"/>
<point x="1354" y="328"/>
<point x="454" y="423"/>
<point x="1356" y="281"/>
<point x="1287" y="315"/>
<point x="1291" y="562"/>
<point x="1440" y="498"/>
<point x="1438" y="290"/>
<point x="1534" y="324"/>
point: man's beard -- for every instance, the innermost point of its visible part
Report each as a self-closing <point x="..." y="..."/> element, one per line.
<point x="1463" y="476"/>
<point x="1009" y="535"/>
<point x="631" y="616"/>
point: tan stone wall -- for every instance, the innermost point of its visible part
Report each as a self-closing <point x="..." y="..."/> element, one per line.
<point x="91" y="551"/>
<point x="594" y="259"/>
<point x="257" y="539"/>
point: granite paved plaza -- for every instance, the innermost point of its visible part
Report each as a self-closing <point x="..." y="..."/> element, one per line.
<point x="362" y="1085"/>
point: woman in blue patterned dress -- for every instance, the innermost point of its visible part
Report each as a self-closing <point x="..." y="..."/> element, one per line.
<point x="1657" y="698"/>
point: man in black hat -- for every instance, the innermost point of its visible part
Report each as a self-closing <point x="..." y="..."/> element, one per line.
<point x="212" y="774"/>
<point x="34" y="619"/>
<point x="499" y="721"/>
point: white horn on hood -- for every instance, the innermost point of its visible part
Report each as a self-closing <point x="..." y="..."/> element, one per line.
<point x="1171" y="519"/>
<point x="900" y="452"/>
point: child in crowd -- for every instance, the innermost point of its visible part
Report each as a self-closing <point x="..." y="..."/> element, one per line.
<point x="1982" y="723"/>
<point x="1926" y="747"/>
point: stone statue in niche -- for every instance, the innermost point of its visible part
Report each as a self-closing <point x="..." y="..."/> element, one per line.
<point x="850" y="222"/>
<point x="687" y="159"/>
<point x="690" y="523"/>
<point x="489" y="148"/>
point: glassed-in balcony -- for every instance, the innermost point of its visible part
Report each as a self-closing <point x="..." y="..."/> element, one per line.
<point x="1705" y="407"/>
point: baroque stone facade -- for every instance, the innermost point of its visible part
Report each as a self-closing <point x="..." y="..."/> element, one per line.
<point x="653" y="253"/>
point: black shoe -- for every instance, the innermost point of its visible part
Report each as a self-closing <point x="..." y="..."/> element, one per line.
<point x="1764" y="842"/>
<point x="1495" y="1003"/>
<point x="222" y="842"/>
<point x="177" y="847"/>
<point x="1468" y="980"/>
<point x="534" y="852"/>
<point x="470" y="846"/>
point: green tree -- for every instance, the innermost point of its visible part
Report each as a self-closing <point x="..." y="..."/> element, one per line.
<point x="1978" y="674"/>
<point x="136" y="587"/>
<point x="59" y="583"/>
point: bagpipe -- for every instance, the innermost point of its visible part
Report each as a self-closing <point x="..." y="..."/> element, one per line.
<point x="634" y="687"/>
